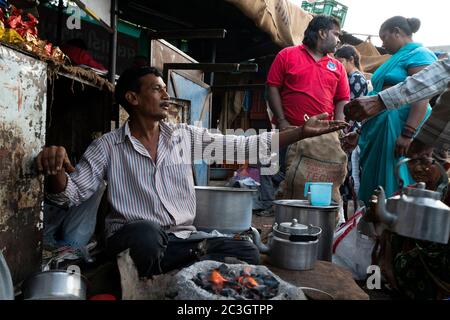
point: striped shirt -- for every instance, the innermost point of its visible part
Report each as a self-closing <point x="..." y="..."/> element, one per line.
<point x="429" y="82"/>
<point x="139" y="188"/>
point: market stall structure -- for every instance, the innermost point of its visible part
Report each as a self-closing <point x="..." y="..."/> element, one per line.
<point x="211" y="59"/>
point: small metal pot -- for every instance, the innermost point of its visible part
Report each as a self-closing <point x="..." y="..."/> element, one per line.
<point x="305" y="213"/>
<point x="228" y="210"/>
<point x="294" y="246"/>
<point x="56" y="285"/>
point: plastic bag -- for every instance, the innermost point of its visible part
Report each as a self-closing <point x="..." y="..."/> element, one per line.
<point x="351" y="249"/>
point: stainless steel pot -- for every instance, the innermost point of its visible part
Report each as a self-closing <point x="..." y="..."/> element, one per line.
<point x="294" y="246"/>
<point x="228" y="210"/>
<point x="320" y="216"/>
<point x="56" y="285"/>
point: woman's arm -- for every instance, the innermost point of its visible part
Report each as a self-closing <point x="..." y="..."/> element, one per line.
<point x="416" y="115"/>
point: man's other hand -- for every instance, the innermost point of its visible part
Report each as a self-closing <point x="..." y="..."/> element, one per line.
<point x="363" y="108"/>
<point x="350" y="141"/>
<point x="317" y="126"/>
<point x="53" y="160"/>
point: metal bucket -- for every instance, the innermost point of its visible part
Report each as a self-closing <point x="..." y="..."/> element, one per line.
<point x="320" y="216"/>
<point x="56" y="285"/>
<point x="228" y="210"/>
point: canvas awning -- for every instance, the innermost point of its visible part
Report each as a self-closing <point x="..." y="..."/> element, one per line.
<point x="371" y="58"/>
<point x="284" y="21"/>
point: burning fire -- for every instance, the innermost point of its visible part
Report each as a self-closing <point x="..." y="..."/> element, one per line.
<point x="238" y="284"/>
<point x="248" y="281"/>
<point x="218" y="280"/>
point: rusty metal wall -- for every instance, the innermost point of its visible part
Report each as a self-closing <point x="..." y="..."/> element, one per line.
<point x="23" y="91"/>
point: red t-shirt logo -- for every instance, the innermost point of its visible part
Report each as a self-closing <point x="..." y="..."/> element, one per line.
<point x="331" y="66"/>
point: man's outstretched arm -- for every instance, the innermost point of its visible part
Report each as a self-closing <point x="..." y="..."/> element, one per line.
<point x="425" y="84"/>
<point x="315" y="126"/>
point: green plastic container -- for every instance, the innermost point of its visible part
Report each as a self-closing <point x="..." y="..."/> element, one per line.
<point x="327" y="7"/>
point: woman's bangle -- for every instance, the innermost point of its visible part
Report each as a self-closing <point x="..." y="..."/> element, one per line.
<point x="408" y="133"/>
<point x="410" y="127"/>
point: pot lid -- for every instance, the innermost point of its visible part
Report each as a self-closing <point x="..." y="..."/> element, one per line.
<point x="421" y="191"/>
<point x="295" y="228"/>
<point x="305" y="204"/>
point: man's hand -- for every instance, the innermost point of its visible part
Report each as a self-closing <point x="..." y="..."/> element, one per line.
<point x="363" y="108"/>
<point x="417" y="149"/>
<point x="317" y="126"/>
<point x="283" y="125"/>
<point x="350" y="141"/>
<point x="53" y="160"/>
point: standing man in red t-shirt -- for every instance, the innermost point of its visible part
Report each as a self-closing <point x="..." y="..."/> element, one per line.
<point x="305" y="80"/>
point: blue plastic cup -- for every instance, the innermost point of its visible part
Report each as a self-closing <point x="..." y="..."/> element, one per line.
<point x="320" y="193"/>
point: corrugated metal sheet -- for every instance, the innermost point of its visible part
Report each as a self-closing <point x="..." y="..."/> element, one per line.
<point x="23" y="90"/>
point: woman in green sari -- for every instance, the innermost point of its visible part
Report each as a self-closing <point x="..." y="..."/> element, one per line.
<point x="385" y="137"/>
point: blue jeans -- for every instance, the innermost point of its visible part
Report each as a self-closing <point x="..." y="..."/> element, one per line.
<point x="73" y="226"/>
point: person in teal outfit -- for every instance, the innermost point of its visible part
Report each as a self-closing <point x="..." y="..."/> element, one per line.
<point x="384" y="138"/>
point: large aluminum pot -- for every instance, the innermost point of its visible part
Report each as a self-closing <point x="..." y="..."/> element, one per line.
<point x="56" y="285"/>
<point x="320" y="216"/>
<point x="227" y="210"/>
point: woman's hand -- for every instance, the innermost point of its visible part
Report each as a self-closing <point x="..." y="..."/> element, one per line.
<point x="402" y="146"/>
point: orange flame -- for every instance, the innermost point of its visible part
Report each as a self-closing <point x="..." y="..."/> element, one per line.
<point x="248" y="281"/>
<point x="217" y="279"/>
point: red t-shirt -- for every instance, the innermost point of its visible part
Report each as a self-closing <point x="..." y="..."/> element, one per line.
<point x="306" y="86"/>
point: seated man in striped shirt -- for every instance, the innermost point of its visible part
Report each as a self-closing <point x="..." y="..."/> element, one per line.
<point x="147" y="166"/>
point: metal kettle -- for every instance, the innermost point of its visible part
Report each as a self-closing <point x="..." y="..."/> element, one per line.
<point x="415" y="213"/>
<point x="293" y="246"/>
